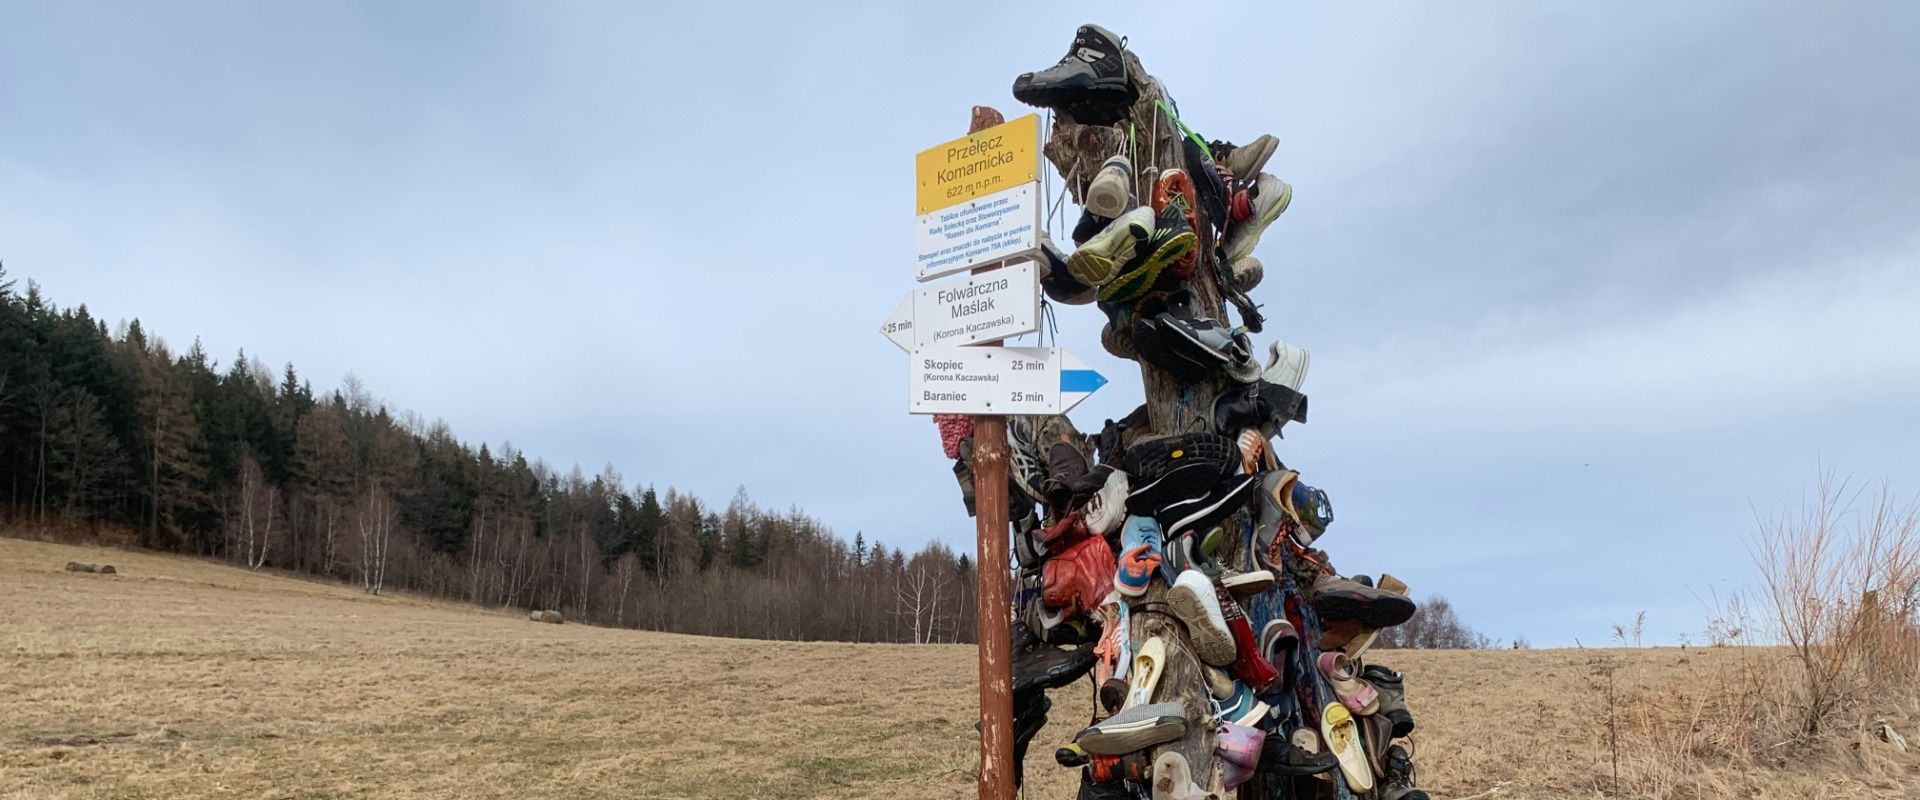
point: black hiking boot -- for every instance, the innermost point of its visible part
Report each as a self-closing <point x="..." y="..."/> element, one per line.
<point x="1399" y="777"/>
<point x="1090" y="84"/>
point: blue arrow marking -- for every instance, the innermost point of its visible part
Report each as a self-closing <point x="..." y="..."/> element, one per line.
<point x="1080" y="380"/>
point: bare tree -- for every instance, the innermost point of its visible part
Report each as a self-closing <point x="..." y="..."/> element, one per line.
<point x="918" y="590"/>
<point x="376" y="518"/>
<point x="256" y="508"/>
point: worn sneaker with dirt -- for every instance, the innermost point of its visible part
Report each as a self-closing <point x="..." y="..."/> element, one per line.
<point x="1111" y="188"/>
<point x="1099" y="261"/>
<point x="1265" y="202"/>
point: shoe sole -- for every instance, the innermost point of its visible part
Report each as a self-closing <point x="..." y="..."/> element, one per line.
<point x="1212" y="645"/>
<point x="1249" y="583"/>
<point x="1093" y="265"/>
<point x="1078" y="92"/>
<point x="1198" y="346"/>
<point x="1370" y="612"/>
<point x="1132" y="284"/>
<point x="1119" y="740"/>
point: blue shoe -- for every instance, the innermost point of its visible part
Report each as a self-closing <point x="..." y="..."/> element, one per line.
<point x="1139" y="556"/>
<point x="1242" y="708"/>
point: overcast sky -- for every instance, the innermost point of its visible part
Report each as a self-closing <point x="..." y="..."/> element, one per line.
<point x="1585" y="284"/>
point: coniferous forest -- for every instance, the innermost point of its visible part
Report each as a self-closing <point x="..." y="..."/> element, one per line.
<point x="109" y="434"/>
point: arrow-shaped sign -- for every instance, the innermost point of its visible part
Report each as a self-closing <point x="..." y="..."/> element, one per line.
<point x="998" y="380"/>
<point x="967" y="309"/>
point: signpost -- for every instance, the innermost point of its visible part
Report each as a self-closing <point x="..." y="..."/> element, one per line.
<point x="978" y="203"/>
<point x="968" y="309"/>
<point x="998" y="380"/>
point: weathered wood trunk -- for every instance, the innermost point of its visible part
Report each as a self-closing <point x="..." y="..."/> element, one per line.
<point x="1077" y="151"/>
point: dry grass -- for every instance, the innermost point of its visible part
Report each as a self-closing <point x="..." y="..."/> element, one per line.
<point x="179" y="678"/>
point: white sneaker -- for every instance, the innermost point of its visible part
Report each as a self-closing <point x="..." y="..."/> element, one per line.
<point x="1195" y="603"/>
<point x="1108" y="507"/>
<point x="1112" y="185"/>
<point x="1286" y="365"/>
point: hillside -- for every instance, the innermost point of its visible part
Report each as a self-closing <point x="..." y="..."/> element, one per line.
<point x="185" y="678"/>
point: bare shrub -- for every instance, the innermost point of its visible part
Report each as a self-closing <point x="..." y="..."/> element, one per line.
<point x="1434" y="626"/>
<point x="1840" y="583"/>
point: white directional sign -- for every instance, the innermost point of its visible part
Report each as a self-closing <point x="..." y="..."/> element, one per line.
<point x="967" y="309"/>
<point x="995" y="227"/>
<point x="997" y="380"/>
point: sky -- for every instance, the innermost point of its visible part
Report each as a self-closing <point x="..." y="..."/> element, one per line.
<point x="1587" y="286"/>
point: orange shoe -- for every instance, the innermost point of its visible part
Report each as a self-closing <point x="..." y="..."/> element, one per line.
<point x="1175" y="188"/>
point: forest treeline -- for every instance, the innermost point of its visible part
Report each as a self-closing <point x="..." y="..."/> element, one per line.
<point x="108" y="431"/>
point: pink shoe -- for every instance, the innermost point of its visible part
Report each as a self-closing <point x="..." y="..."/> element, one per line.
<point x="1357" y="695"/>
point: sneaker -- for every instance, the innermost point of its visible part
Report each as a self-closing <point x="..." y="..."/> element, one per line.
<point x="1088" y="226"/>
<point x="1175" y="190"/>
<point x="1205" y="511"/>
<point x="1245" y="161"/>
<point x="1170" y="240"/>
<point x="1090" y="81"/>
<point x="1139" y="556"/>
<point x="1074" y="580"/>
<point x="1249" y="666"/>
<point x="1392" y="688"/>
<point x="1098" y="262"/>
<point x="1340" y="599"/>
<point x="1206" y="341"/>
<point x="1136" y="728"/>
<point x="1194" y="602"/>
<point x="1023" y="447"/>
<point x="1312" y="508"/>
<point x="1282" y="758"/>
<point x="1242" y="708"/>
<point x="1267" y="200"/>
<point x="1399" y="776"/>
<point x="1247" y="272"/>
<point x="1238" y="748"/>
<point x="1028" y="551"/>
<point x="1247" y="584"/>
<point x="1286" y="365"/>
<point x="1150" y="343"/>
<point x="1107" y="508"/>
<point x="1183" y="481"/>
<point x="1111" y="188"/>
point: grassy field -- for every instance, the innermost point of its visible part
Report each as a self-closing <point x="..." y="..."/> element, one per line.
<point x="180" y="678"/>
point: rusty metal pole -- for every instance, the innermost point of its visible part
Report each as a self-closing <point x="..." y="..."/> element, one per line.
<point x="993" y="600"/>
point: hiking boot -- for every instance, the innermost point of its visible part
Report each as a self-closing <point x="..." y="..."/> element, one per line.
<point x="1139" y="556"/>
<point x="1194" y="601"/>
<point x="1075" y="579"/>
<point x="1258" y="405"/>
<point x="1286" y="365"/>
<point x="1038" y="665"/>
<point x="1029" y="716"/>
<point x="1090" y="83"/>
<point x="1249" y="666"/>
<point x="1205" y="511"/>
<point x="1281" y="758"/>
<point x="1399" y="776"/>
<point x="1169" y="241"/>
<point x="1266" y="201"/>
<point x="1393" y="697"/>
<point x="1136" y="728"/>
<point x="1340" y="599"/>
<point x="1238" y="749"/>
<point x="1111" y="188"/>
<point x="1099" y="261"/>
<point x="1149" y="460"/>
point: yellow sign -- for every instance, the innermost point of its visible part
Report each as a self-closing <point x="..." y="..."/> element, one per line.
<point x="993" y="160"/>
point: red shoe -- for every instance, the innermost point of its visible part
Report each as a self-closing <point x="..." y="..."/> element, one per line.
<point x="1074" y="580"/>
<point x="1248" y="665"/>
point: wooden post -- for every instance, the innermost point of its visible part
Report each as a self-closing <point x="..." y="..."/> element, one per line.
<point x="994" y="602"/>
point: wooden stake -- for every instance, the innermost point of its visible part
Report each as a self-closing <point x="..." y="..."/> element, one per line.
<point x="994" y="602"/>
